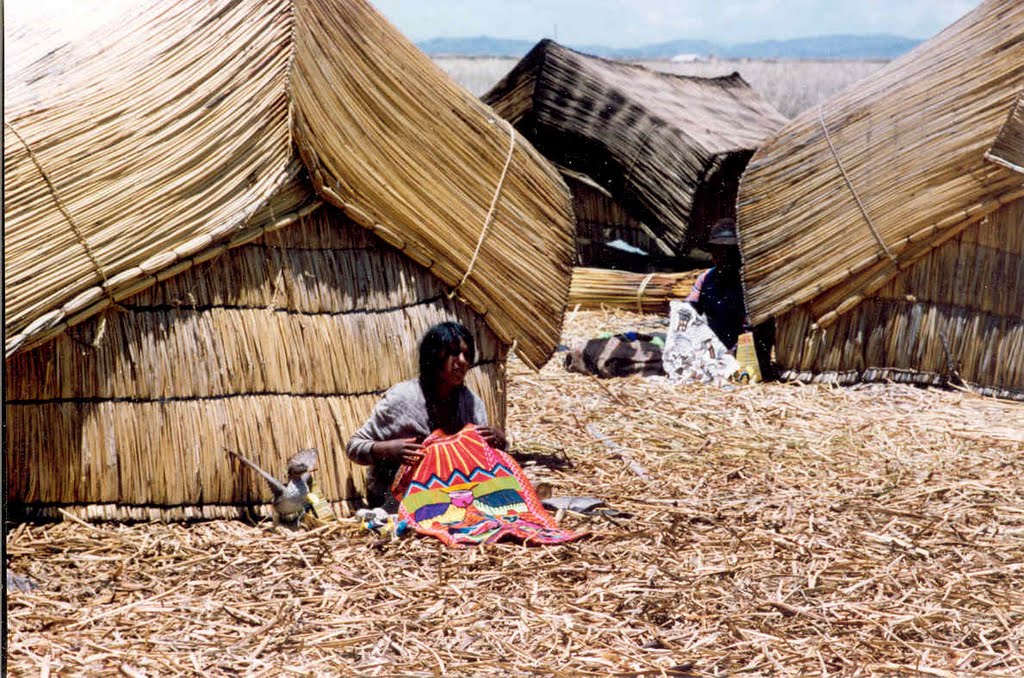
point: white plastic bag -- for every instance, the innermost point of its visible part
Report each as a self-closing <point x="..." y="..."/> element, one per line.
<point x="693" y="353"/>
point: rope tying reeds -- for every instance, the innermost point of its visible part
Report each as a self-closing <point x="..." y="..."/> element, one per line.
<point x="490" y="210"/>
<point x="64" y="210"/>
<point x="842" y="170"/>
<point x="640" y="292"/>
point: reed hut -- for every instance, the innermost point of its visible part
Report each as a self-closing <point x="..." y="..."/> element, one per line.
<point x="667" y="150"/>
<point x="884" y="230"/>
<point x="226" y="226"/>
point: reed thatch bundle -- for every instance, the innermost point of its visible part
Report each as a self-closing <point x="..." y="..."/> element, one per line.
<point x="596" y="288"/>
<point x="651" y="139"/>
<point x="850" y="193"/>
<point x="160" y="138"/>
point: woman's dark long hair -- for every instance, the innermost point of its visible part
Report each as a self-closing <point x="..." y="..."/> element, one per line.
<point x="440" y="342"/>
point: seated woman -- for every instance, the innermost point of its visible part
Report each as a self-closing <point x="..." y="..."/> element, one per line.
<point x="413" y="409"/>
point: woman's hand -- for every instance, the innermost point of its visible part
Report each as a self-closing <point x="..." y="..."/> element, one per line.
<point x="493" y="436"/>
<point x="405" y="450"/>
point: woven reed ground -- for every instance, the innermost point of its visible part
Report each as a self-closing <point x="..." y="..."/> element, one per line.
<point x="787" y="530"/>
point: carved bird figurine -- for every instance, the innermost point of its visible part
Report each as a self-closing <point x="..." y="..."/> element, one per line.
<point x="290" y="497"/>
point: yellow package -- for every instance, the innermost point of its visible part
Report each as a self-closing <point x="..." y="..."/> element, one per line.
<point x="746" y="356"/>
<point x="318" y="511"/>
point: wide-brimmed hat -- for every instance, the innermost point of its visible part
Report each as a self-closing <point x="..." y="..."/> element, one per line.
<point x="723" y="233"/>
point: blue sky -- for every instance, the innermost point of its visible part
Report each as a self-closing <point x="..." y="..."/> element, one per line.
<point x="625" y="23"/>
<point x="615" y="23"/>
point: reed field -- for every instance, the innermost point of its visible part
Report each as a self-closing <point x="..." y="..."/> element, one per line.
<point x="771" y="529"/>
<point x="791" y="86"/>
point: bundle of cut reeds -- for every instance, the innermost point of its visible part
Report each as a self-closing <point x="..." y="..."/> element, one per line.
<point x="594" y="288"/>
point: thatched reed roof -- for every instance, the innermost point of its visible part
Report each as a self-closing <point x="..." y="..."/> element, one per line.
<point x="848" y="194"/>
<point x="134" y="153"/>
<point x="650" y="138"/>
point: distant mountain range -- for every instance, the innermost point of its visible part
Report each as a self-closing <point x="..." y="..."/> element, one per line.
<point x="817" y="47"/>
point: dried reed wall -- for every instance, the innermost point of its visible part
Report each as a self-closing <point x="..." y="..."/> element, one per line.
<point x="599" y="219"/>
<point x="284" y="343"/>
<point x="959" y="309"/>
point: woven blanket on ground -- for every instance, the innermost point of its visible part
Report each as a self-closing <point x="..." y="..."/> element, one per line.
<point x="465" y="492"/>
<point x="617" y="356"/>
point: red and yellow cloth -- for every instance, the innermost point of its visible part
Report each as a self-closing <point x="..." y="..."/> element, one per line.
<point x="465" y="492"/>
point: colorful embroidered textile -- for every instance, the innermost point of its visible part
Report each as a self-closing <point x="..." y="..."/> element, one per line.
<point x="466" y="492"/>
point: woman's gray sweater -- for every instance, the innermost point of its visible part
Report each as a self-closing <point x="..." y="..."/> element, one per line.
<point x="402" y="413"/>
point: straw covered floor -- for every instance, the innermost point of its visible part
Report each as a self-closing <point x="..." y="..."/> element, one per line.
<point x="772" y="529"/>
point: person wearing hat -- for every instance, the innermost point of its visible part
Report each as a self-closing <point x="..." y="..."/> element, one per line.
<point x="718" y="296"/>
